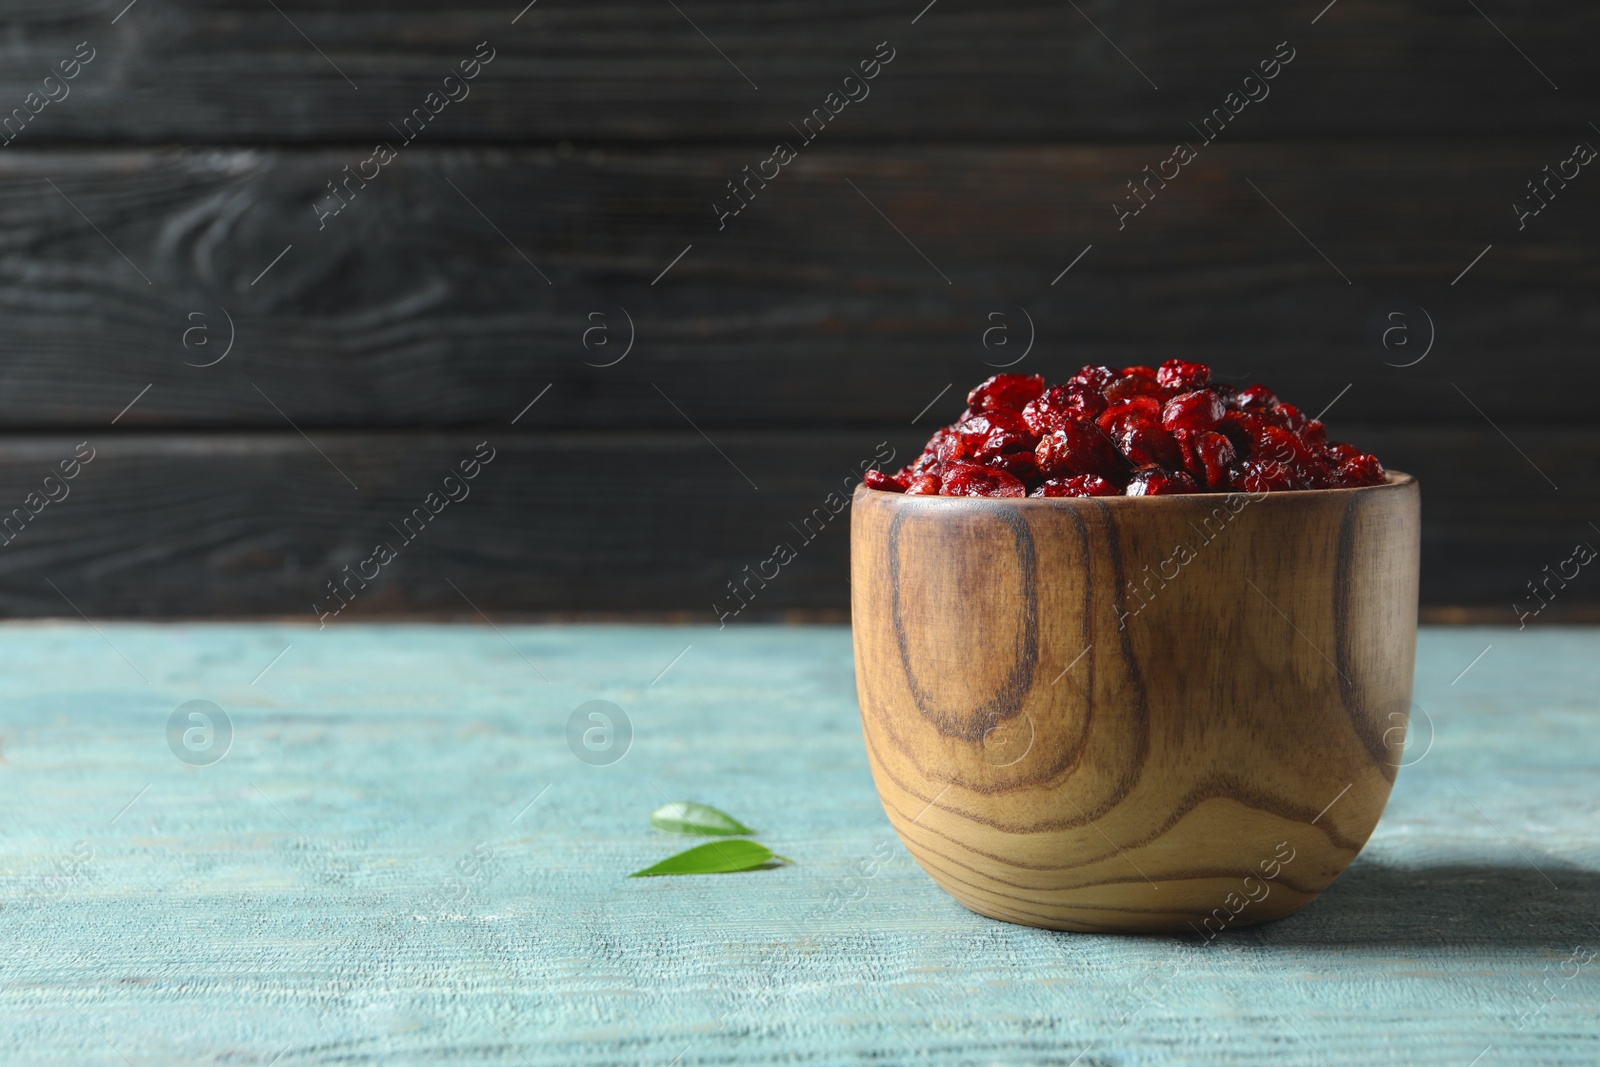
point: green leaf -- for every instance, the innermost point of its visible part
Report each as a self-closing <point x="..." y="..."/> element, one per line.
<point x="687" y="817"/>
<point x="715" y="857"/>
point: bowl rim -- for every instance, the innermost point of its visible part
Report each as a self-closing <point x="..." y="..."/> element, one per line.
<point x="1394" y="480"/>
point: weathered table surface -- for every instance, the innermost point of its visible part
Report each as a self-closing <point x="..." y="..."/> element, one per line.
<point x="400" y="860"/>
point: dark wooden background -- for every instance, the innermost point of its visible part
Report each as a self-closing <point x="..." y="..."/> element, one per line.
<point x="458" y="286"/>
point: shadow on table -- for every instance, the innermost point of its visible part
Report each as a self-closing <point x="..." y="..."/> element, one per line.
<point x="1450" y="904"/>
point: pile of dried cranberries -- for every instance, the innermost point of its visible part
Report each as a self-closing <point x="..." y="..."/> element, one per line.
<point x="1133" y="432"/>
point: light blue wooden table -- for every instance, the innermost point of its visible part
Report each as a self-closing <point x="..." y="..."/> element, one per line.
<point x="400" y="860"/>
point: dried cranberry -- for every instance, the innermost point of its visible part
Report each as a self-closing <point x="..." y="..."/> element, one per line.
<point x="1047" y="412"/>
<point x="969" y="479"/>
<point x="1083" y="404"/>
<point x="1137" y="409"/>
<point x="1362" y="470"/>
<point x="1092" y="377"/>
<point x="948" y="446"/>
<point x="1062" y="404"/>
<point x="1206" y="456"/>
<point x="1153" y="481"/>
<point x="994" y="432"/>
<point x="1078" y="448"/>
<point x="1181" y="377"/>
<point x="1132" y="386"/>
<point x="876" y="479"/>
<point x="1287" y="416"/>
<point x="1277" y="445"/>
<point x="1077" y="485"/>
<point x="1257" y="398"/>
<point x="1340" y="453"/>
<point x="1146" y="444"/>
<point x="1314" y="432"/>
<point x="1198" y="410"/>
<point x="1244" y="429"/>
<point x="1024" y="466"/>
<point x="1314" y="473"/>
<point x="1139" y="372"/>
<point x="1260" y="476"/>
<point x="1010" y="391"/>
<point x="924" y="485"/>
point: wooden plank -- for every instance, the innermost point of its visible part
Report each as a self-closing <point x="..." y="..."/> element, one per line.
<point x="199" y="70"/>
<point x="399" y="860"/>
<point x="410" y="307"/>
<point x="1493" y="517"/>
<point x="233" y="524"/>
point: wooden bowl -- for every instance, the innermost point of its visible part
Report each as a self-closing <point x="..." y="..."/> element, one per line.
<point x="1135" y="713"/>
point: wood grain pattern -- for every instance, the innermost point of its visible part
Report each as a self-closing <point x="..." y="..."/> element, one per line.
<point x="1065" y="734"/>
<point x="305" y="895"/>
<point x="223" y="72"/>
<point x="807" y="311"/>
